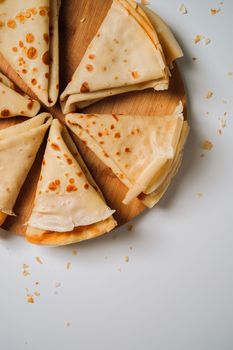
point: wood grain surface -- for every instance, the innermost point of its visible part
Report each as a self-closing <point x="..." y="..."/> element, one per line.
<point x="79" y="21"/>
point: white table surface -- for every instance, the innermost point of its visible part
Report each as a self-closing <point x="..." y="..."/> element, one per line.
<point x="176" y="291"/>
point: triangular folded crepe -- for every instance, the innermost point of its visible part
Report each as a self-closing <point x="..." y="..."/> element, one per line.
<point x="29" y="42"/>
<point x="68" y="206"/>
<point x="171" y="48"/>
<point x="143" y="152"/>
<point x="12" y="103"/>
<point x="125" y="55"/>
<point x="19" y="145"/>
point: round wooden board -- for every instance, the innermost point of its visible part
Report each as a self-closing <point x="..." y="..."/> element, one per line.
<point x="79" y="22"/>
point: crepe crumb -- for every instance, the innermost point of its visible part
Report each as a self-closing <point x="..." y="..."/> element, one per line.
<point x="57" y="284"/>
<point x="207" y="145"/>
<point x="222" y="123"/>
<point x="198" y="38"/>
<point x="129" y="227"/>
<point x="25" y="273"/>
<point x="38" y="259"/>
<point x="209" y="94"/>
<point x="199" y="195"/>
<point x="36" y="293"/>
<point x="183" y="10"/>
<point x="37" y="283"/>
<point x="30" y="299"/>
<point x="83" y="20"/>
<point x="74" y="252"/>
<point x="215" y="11"/>
<point x="126" y="258"/>
<point x="230" y="74"/>
<point x="194" y="59"/>
<point x="68" y="265"/>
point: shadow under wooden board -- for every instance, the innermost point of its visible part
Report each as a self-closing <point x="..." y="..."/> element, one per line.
<point x="79" y="22"/>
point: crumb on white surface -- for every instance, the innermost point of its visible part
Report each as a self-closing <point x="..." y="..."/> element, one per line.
<point x="30" y="299"/>
<point x="215" y="11"/>
<point x="209" y="94"/>
<point x="198" y="38"/>
<point x="207" y="145"/>
<point x="57" y="284"/>
<point x="183" y="9"/>
<point x="126" y="258"/>
<point x="68" y="265"/>
<point x="74" y="252"/>
<point x="38" y="259"/>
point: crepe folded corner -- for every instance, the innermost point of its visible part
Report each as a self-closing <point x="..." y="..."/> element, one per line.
<point x="144" y="152"/>
<point x="19" y="145"/>
<point x="69" y="206"/>
<point x="29" y="43"/>
<point x="125" y="55"/>
<point x="12" y="103"/>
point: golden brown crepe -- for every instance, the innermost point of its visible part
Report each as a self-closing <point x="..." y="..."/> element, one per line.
<point x="12" y="103"/>
<point x="68" y="206"/>
<point x="19" y="145"/>
<point x="143" y="152"/>
<point x="125" y="55"/>
<point x="29" y="42"/>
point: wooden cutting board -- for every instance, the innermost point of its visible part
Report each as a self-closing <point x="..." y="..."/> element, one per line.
<point x="79" y="22"/>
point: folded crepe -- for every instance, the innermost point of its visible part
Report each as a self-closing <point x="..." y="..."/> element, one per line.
<point x="29" y="42"/>
<point x="171" y="48"/>
<point x="125" y="55"/>
<point x="68" y="206"/>
<point x="144" y="152"/>
<point x="19" y="145"/>
<point x="12" y="103"/>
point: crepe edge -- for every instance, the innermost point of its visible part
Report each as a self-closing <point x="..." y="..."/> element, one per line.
<point x="79" y="234"/>
<point x="152" y="199"/>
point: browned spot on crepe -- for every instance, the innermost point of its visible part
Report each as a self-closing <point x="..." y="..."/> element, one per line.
<point x="85" y="87"/>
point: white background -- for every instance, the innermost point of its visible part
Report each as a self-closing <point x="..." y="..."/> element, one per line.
<point x="176" y="291"/>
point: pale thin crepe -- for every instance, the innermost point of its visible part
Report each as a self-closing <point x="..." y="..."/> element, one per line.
<point x="171" y="48"/>
<point x="19" y="145"/>
<point x="68" y="205"/>
<point x="140" y="150"/>
<point x="29" y="42"/>
<point x="125" y="55"/>
<point x="12" y="103"/>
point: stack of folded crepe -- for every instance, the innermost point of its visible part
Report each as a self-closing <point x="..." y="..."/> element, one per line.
<point x="19" y="145"/>
<point x="131" y="51"/>
<point x="69" y="206"/>
<point x="13" y="103"/>
<point x="29" y="43"/>
<point x="144" y="152"/>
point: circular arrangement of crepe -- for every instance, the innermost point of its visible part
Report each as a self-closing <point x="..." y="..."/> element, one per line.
<point x="133" y="50"/>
